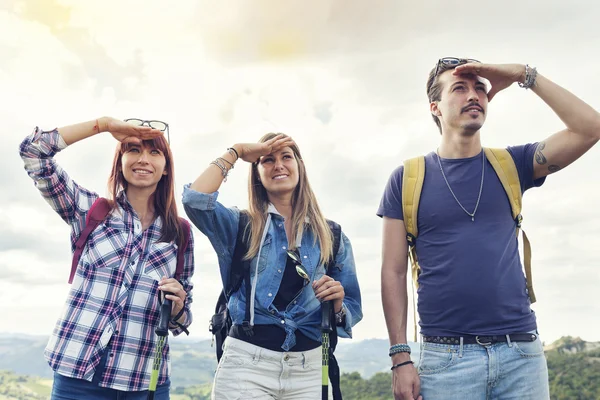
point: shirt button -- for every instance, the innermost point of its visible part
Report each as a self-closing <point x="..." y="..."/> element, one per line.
<point x="280" y="225"/>
<point x="111" y="355"/>
<point x="272" y="311"/>
<point x="279" y="270"/>
<point x="282" y="321"/>
<point x="283" y="247"/>
<point x="305" y="256"/>
<point x="270" y="294"/>
<point x="116" y="332"/>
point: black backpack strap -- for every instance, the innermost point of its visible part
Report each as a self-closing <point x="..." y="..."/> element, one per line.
<point x="220" y="323"/>
<point x="334" y="369"/>
<point x="239" y="267"/>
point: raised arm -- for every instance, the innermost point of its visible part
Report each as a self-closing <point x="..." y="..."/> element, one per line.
<point x="582" y="121"/>
<point x="120" y="130"/>
<point x="65" y="196"/>
<point x="394" y="296"/>
<point x="212" y="177"/>
<point x="217" y="222"/>
<point x="581" y="133"/>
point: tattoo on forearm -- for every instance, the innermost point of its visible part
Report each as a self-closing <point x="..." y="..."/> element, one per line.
<point x="553" y="168"/>
<point x="539" y="156"/>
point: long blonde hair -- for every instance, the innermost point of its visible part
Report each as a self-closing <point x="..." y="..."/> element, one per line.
<point x="304" y="204"/>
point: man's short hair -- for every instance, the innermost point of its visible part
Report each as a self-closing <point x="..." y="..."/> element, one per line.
<point x="434" y="88"/>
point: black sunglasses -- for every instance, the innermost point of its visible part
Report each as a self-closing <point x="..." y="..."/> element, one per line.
<point x="453" y="61"/>
<point x="159" y="125"/>
<point x="300" y="269"/>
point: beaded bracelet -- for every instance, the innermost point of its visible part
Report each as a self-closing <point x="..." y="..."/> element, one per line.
<point x="399" y="348"/>
<point x="530" y="75"/>
<point x="401" y="364"/>
<point x="222" y="159"/>
<point x="224" y="171"/>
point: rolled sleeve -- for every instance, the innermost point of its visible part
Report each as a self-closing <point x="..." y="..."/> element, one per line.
<point x="70" y="200"/>
<point x="199" y="201"/>
<point x="218" y="223"/>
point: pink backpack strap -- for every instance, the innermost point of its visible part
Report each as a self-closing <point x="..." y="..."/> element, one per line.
<point x="95" y="216"/>
<point x="186" y="228"/>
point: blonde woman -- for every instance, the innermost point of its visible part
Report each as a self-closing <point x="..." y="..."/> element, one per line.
<point x="276" y="352"/>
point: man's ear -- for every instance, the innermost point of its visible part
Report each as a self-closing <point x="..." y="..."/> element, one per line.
<point x="433" y="107"/>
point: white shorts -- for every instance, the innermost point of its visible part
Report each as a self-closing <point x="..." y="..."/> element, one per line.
<point x="247" y="371"/>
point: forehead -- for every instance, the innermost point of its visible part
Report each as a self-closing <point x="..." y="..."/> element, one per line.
<point x="447" y="78"/>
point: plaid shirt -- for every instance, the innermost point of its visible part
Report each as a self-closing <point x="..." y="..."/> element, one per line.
<point x="113" y="302"/>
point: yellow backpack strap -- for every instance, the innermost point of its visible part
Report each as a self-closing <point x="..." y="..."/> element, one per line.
<point x="412" y="184"/>
<point x="505" y="168"/>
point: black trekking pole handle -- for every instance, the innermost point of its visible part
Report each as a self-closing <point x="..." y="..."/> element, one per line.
<point x="326" y="312"/>
<point x="162" y="331"/>
<point x="165" y="316"/>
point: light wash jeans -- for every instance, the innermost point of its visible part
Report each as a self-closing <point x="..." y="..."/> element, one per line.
<point x="247" y="371"/>
<point x="501" y="371"/>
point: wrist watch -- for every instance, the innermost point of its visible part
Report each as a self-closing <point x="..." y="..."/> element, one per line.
<point x="340" y="316"/>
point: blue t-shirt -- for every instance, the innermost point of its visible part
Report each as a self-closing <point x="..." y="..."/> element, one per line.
<point x="471" y="281"/>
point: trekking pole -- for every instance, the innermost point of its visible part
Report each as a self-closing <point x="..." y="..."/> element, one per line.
<point x="162" y="331"/>
<point x="326" y="310"/>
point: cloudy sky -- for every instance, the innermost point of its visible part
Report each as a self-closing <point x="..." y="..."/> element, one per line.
<point x="345" y="78"/>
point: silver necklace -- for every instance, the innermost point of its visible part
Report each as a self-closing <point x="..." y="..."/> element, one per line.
<point x="472" y="215"/>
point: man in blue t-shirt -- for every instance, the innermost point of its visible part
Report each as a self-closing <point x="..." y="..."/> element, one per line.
<point x="471" y="283"/>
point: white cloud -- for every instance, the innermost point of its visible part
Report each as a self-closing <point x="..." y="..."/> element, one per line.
<point x="346" y="79"/>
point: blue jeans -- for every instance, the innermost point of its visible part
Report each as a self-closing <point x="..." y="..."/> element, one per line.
<point x="65" y="388"/>
<point x="504" y="371"/>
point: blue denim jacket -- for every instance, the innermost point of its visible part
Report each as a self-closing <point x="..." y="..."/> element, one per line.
<point x="220" y="225"/>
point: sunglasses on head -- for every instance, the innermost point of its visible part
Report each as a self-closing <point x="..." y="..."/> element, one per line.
<point x="159" y="125"/>
<point x="453" y="61"/>
<point x="300" y="269"/>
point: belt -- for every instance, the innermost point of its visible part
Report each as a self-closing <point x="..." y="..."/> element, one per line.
<point x="481" y="339"/>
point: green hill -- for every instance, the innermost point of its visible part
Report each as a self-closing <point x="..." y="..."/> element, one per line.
<point x="19" y="387"/>
<point x="574" y="369"/>
<point x="573" y="365"/>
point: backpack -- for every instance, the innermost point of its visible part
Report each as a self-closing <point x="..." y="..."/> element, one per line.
<point x="239" y="273"/>
<point x="412" y="184"/>
<point x="97" y="214"/>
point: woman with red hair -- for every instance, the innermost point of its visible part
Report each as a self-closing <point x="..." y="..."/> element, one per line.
<point x="103" y="343"/>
